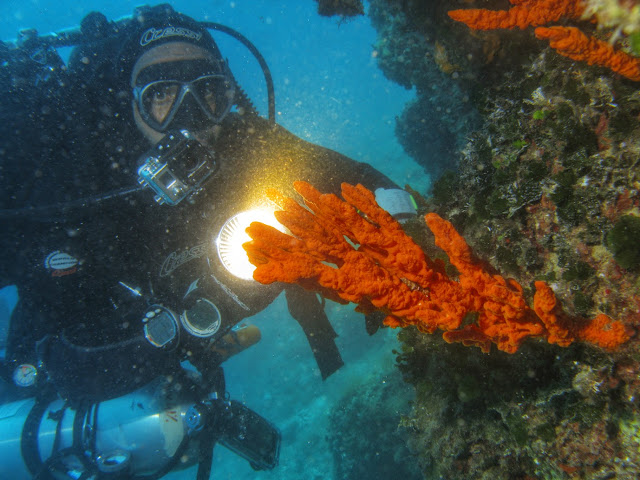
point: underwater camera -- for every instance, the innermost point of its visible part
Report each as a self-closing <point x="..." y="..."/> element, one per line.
<point x="142" y="435"/>
<point x="176" y="167"/>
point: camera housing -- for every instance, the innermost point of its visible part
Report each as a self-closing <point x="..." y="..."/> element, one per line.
<point x="176" y="167"/>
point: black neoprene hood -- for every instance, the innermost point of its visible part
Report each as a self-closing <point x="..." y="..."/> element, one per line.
<point x="159" y="25"/>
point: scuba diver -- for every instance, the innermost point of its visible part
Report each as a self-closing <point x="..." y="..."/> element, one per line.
<point x="128" y="173"/>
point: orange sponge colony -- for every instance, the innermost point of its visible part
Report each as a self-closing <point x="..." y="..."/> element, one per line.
<point x="572" y="43"/>
<point x="522" y="15"/>
<point x="354" y="251"/>
<point x="568" y="41"/>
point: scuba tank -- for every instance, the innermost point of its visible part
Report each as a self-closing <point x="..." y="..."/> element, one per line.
<point x="140" y="436"/>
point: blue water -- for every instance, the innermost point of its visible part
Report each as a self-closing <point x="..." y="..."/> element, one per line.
<point x="330" y="92"/>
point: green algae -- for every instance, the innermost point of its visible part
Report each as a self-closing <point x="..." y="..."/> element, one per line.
<point x="539" y="114"/>
<point x="578" y="271"/>
<point x="582" y="303"/>
<point x="445" y="188"/>
<point x="623" y="241"/>
<point x="518" y="428"/>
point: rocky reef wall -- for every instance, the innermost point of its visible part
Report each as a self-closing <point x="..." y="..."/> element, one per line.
<point x="538" y="165"/>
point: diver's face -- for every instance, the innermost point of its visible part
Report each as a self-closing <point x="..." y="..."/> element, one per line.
<point x="159" y="76"/>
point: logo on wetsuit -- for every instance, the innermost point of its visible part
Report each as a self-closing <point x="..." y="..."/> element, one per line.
<point x="175" y="259"/>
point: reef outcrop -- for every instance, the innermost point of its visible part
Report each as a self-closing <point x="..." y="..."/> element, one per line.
<point x="546" y="187"/>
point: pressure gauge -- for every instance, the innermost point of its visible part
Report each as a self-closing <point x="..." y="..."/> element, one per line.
<point x="25" y="375"/>
<point x="161" y="327"/>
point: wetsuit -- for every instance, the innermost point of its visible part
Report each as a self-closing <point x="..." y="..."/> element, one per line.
<point x="101" y="266"/>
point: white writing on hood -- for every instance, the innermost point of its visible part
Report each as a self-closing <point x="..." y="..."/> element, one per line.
<point x="153" y="34"/>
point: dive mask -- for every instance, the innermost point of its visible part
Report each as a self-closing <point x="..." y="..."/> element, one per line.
<point x="193" y="91"/>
